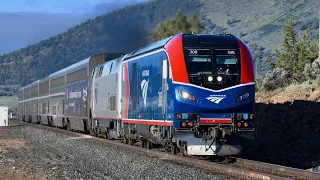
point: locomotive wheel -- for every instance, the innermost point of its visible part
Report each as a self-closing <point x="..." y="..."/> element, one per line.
<point x="184" y="152"/>
<point x="92" y="133"/>
<point x="174" y="149"/>
<point x="107" y="135"/>
<point x="131" y="141"/>
<point x="149" y="144"/>
<point x="110" y="138"/>
<point x="68" y="126"/>
<point x="126" y="140"/>
<point x="143" y="143"/>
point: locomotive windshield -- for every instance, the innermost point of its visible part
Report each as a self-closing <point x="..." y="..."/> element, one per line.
<point x="213" y="68"/>
<point x="200" y="63"/>
<point x="227" y="64"/>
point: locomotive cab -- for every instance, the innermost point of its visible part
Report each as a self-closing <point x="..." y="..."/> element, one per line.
<point x="215" y="93"/>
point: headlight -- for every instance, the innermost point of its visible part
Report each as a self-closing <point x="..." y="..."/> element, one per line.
<point x="187" y="96"/>
<point x="242" y="97"/>
<point x="219" y="78"/>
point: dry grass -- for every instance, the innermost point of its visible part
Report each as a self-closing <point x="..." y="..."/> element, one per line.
<point x="9" y="173"/>
<point x="304" y="85"/>
<point x="305" y="91"/>
<point x="15" y="144"/>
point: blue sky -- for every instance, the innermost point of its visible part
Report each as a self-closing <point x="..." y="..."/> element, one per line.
<point x="25" y="22"/>
<point x="52" y="6"/>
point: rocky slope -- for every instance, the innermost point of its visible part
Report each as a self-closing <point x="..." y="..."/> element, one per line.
<point x="288" y="128"/>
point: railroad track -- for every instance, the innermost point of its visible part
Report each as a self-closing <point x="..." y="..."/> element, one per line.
<point x="241" y="168"/>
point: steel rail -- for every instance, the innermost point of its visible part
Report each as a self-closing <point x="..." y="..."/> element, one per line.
<point x="284" y="169"/>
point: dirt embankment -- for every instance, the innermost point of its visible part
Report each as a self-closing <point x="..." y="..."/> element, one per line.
<point x="288" y="128"/>
<point x="12" y="172"/>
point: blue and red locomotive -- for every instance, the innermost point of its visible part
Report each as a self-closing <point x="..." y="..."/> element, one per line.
<point x="192" y="93"/>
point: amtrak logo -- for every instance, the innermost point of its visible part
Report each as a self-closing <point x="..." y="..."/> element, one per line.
<point x="216" y="98"/>
<point x="144" y="88"/>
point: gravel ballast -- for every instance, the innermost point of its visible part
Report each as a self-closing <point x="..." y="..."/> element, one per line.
<point x="29" y="152"/>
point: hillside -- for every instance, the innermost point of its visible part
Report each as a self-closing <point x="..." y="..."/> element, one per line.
<point x="129" y="28"/>
<point x="288" y="127"/>
<point x="260" y="22"/>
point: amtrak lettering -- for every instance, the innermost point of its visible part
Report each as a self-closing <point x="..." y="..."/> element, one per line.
<point x="78" y="94"/>
<point x="76" y="103"/>
<point x="145" y="73"/>
<point x="75" y="95"/>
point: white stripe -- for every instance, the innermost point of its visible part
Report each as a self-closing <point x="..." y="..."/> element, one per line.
<point x="43" y="97"/>
<point x="233" y="87"/>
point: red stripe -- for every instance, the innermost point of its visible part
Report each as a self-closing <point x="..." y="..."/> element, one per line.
<point x="177" y="61"/>
<point x="216" y="120"/>
<point x="126" y="111"/>
<point x="247" y="70"/>
<point x="148" y="122"/>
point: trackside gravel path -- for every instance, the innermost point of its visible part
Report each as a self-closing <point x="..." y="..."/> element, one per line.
<point x="29" y="152"/>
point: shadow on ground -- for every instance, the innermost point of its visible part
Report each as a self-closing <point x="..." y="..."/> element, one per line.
<point x="288" y="134"/>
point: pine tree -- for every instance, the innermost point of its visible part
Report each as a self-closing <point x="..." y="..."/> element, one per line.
<point x="179" y="24"/>
<point x="295" y="53"/>
<point x="303" y="52"/>
<point x="196" y="25"/>
<point x="288" y="58"/>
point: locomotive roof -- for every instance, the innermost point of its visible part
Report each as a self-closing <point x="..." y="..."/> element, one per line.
<point x="150" y="47"/>
<point x="106" y="62"/>
<point x="210" y="40"/>
<point x="190" y="40"/>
